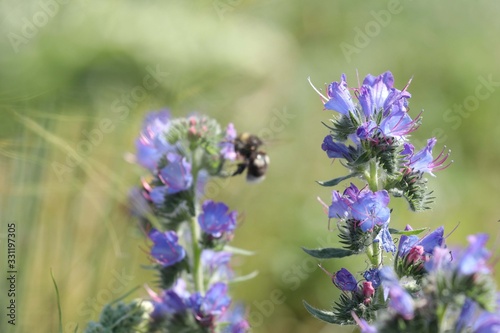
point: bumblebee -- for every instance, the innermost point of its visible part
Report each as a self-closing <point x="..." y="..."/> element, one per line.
<point x="255" y="161"/>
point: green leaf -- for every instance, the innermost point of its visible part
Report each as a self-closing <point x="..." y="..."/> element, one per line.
<point x="236" y="250"/>
<point x="324" y="315"/>
<point x="328" y="253"/>
<point x="245" y="277"/>
<point x="336" y="181"/>
<point x="407" y="232"/>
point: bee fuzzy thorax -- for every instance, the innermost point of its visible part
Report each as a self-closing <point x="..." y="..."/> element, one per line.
<point x="252" y="159"/>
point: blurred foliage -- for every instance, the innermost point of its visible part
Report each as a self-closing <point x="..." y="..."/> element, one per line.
<point x="66" y="67"/>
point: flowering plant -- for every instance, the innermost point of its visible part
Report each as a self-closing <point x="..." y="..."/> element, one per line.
<point x="427" y="287"/>
<point x="189" y="233"/>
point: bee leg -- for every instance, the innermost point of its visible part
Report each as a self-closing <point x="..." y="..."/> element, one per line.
<point x="241" y="168"/>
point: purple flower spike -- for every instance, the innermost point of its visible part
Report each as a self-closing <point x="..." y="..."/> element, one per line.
<point x="177" y="174"/>
<point x="166" y="249"/>
<point x="344" y="280"/>
<point x="216" y="218"/>
<point x="340" y="99"/>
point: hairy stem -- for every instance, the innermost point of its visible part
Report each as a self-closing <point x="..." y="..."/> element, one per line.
<point x="197" y="269"/>
<point x="195" y="230"/>
<point x="373" y="178"/>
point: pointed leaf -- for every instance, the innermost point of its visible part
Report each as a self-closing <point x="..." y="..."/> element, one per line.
<point x="407" y="232"/>
<point x="328" y="253"/>
<point x="324" y="315"/>
<point x="245" y="277"/>
<point x="236" y="250"/>
<point x="336" y="181"/>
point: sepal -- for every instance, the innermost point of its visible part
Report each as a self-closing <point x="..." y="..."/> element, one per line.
<point x="169" y="274"/>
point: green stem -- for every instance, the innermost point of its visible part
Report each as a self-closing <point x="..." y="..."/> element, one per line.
<point x="374" y="254"/>
<point x="441" y="314"/>
<point x="197" y="269"/>
<point x="373" y="177"/>
<point x="196" y="231"/>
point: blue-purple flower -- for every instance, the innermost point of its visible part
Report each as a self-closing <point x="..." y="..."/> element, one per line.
<point x="235" y="319"/>
<point x="363" y="325"/>
<point x="427" y="243"/>
<point x="204" y="308"/>
<point x="384" y="238"/>
<point x="399" y="299"/>
<point x="376" y="95"/>
<point x="339" y="97"/>
<point x="227" y="145"/>
<point x="475" y="257"/>
<point x="366" y="207"/>
<point x="152" y="144"/>
<point x="213" y="304"/>
<point x="176" y="175"/>
<point x="139" y="206"/>
<point x="422" y="161"/>
<point x="487" y="322"/>
<point x="344" y="280"/>
<point x="166" y="249"/>
<point x="464" y="262"/>
<point x="216" y="264"/>
<point x="334" y="149"/>
<point x="372" y="275"/>
<point x="216" y="218"/>
<point x="169" y="302"/>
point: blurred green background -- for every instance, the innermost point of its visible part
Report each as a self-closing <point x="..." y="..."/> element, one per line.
<point x="67" y="66"/>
